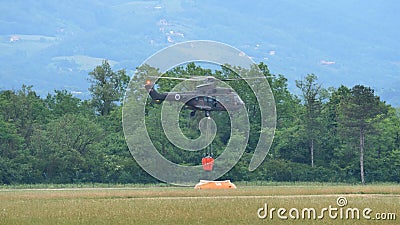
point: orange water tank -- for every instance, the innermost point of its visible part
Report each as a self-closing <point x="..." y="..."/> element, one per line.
<point x="206" y="184"/>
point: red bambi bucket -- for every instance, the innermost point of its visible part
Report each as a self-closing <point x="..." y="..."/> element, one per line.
<point x="208" y="163"/>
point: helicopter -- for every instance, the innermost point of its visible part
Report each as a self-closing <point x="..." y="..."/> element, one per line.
<point x="206" y="97"/>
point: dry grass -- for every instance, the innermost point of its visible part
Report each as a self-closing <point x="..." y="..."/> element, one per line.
<point x="171" y="205"/>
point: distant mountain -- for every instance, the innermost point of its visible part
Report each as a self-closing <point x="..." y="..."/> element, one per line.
<point x="54" y="44"/>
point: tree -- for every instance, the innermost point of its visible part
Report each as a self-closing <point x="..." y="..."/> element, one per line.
<point x="62" y="102"/>
<point x="107" y="87"/>
<point x="313" y="95"/>
<point x="11" y="145"/>
<point x="23" y="108"/>
<point x="65" y="146"/>
<point x="289" y="132"/>
<point x="382" y="161"/>
<point x="357" y="114"/>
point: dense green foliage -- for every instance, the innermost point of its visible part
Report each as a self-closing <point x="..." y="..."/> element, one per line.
<point x="63" y="139"/>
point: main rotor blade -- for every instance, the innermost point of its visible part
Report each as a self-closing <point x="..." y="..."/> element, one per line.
<point x="210" y="78"/>
<point x="182" y="78"/>
<point x="242" y="78"/>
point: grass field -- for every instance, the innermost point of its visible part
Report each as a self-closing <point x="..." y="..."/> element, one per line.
<point x="183" y="205"/>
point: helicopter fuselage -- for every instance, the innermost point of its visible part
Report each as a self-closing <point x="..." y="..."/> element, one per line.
<point x="204" y="98"/>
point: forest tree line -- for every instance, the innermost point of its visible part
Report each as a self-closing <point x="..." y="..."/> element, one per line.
<point x="323" y="134"/>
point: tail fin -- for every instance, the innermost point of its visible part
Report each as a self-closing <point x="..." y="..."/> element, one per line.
<point x="157" y="97"/>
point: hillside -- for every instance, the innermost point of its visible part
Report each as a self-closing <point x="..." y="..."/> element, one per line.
<point x="54" y="44"/>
